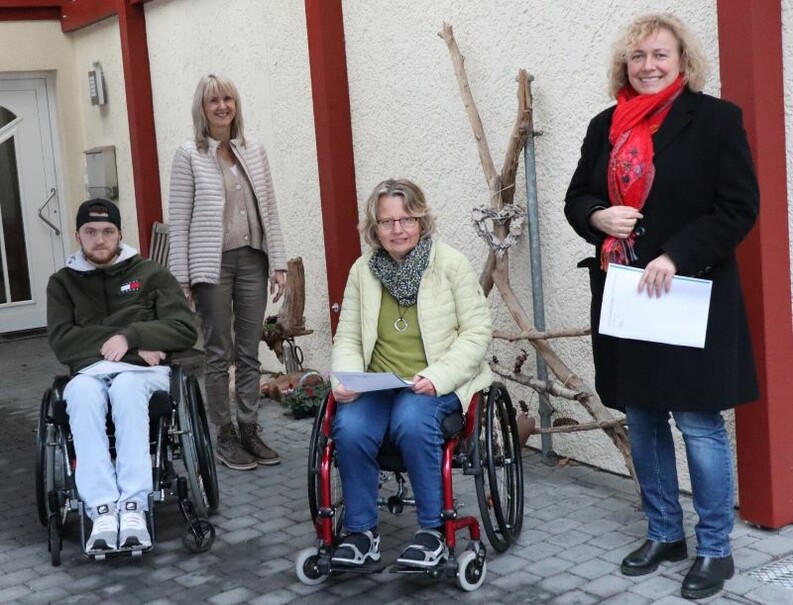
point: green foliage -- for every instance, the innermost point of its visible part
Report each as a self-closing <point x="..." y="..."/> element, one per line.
<point x="303" y="401"/>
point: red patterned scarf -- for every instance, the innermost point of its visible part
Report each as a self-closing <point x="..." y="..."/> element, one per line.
<point x="631" y="170"/>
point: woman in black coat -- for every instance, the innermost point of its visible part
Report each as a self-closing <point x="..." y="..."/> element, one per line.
<point x="666" y="183"/>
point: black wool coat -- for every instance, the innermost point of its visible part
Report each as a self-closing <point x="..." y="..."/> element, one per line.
<point x="703" y="202"/>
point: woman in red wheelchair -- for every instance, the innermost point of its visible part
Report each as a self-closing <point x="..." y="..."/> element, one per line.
<point x="412" y="306"/>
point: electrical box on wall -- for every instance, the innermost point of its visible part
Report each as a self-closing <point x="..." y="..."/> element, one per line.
<point x="101" y="175"/>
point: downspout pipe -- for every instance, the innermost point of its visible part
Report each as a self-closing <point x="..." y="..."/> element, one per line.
<point x="538" y="299"/>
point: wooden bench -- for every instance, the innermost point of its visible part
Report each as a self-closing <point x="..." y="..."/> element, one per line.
<point x="159" y="246"/>
<point x="192" y="360"/>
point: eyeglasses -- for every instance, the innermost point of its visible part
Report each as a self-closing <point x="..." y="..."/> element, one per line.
<point x="407" y="222"/>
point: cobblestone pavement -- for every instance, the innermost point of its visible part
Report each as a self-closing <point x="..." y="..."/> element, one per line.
<point x="579" y="523"/>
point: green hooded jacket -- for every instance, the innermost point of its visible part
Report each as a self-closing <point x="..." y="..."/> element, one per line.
<point x="134" y="297"/>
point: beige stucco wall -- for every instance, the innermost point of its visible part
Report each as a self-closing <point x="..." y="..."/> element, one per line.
<point x="107" y="124"/>
<point x="408" y="120"/>
<point x="787" y="57"/>
<point x="262" y="47"/>
<point x="407" y="116"/>
<point x="40" y="47"/>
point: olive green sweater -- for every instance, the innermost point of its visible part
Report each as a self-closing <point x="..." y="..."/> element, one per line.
<point x="134" y="297"/>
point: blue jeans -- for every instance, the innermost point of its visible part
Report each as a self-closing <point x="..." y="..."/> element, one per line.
<point x="414" y="424"/>
<point x="98" y="480"/>
<point x="710" y="468"/>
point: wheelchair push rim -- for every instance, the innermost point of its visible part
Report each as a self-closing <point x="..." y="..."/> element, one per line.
<point x="317" y="446"/>
<point x="499" y="484"/>
<point x="189" y="443"/>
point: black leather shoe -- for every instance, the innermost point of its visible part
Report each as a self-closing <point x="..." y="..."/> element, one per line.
<point x="646" y="558"/>
<point x="706" y="576"/>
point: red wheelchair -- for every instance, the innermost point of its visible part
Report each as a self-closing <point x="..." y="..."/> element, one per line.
<point x="483" y="443"/>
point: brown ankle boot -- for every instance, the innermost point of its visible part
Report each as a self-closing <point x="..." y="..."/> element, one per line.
<point x="250" y="440"/>
<point x="230" y="451"/>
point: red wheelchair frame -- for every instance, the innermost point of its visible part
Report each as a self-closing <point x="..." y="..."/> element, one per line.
<point x="483" y="443"/>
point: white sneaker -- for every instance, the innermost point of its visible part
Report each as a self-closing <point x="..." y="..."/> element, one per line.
<point x="133" y="533"/>
<point x="104" y="533"/>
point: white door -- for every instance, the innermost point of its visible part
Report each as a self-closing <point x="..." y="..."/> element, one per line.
<point x="31" y="237"/>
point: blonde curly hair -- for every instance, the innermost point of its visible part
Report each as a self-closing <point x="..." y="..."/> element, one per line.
<point x="413" y="201"/>
<point x="693" y="63"/>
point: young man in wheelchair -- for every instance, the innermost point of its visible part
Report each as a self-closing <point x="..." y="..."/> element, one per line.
<point x="111" y="317"/>
<point x="412" y="306"/>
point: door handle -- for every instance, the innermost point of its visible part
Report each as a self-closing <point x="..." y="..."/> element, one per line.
<point x="44" y="218"/>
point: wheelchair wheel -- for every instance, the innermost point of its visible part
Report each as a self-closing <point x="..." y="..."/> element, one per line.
<point x="315" y="450"/>
<point x="200" y="538"/>
<point x="43" y="460"/>
<point x="206" y="458"/>
<point x="50" y="470"/>
<point x="306" y="568"/>
<point x="471" y="571"/>
<point x="55" y="539"/>
<point x="187" y="442"/>
<point x="499" y="485"/>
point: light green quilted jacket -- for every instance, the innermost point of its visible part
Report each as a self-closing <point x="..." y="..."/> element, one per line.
<point x="453" y="316"/>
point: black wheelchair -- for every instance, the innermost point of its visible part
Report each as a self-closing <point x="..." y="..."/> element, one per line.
<point x="483" y="443"/>
<point x="178" y="431"/>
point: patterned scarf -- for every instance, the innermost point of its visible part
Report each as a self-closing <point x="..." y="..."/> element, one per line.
<point x="402" y="280"/>
<point x="631" y="170"/>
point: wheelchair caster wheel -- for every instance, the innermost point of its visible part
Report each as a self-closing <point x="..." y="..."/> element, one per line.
<point x="395" y="505"/>
<point x="306" y="567"/>
<point x="54" y="539"/>
<point x="470" y="571"/>
<point x="199" y="536"/>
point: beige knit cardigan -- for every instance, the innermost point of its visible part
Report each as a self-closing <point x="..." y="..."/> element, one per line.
<point x="195" y="209"/>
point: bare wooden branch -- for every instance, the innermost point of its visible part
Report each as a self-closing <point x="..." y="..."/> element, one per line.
<point x="458" y="60"/>
<point x="541" y="386"/>
<point x="520" y="132"/>
<point x="547" y="335"/>
<point x="575" y="428"/>
<point x="496" y="271"/>
<point x="290" y="321"/>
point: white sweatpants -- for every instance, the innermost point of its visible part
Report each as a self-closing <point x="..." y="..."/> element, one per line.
<point x="98" y="482"/>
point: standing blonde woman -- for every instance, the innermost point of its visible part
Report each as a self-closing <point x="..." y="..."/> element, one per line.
<point x="226" y="243"/>
<point x="665" y="183"/>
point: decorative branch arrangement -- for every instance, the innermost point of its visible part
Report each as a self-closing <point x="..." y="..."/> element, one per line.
<point x="496" y="269"/>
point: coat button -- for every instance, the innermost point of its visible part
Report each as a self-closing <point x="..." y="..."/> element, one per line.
<point x="639" y="231"/>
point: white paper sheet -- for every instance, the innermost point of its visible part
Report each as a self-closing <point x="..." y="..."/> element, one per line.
<point x="679" y="317"/>
<point x="102" y="367"/>
<point x="361" y="382"/>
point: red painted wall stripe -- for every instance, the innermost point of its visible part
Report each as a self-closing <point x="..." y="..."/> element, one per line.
<point x="30" y="14"/>
<point x="751" y="74"/>
<point x="333" y="131"/>
<point x="140" y="113"/>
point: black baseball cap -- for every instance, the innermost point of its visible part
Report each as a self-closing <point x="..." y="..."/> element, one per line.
<point x="86" y="215"/>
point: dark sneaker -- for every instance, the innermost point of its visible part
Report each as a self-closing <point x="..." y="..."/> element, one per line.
<point x="357" y="549"/>
<point x="104" y="533"/>
<point x="230" y="451"/>
<point x="253" y="444"/>
<point x="427" y="549"/>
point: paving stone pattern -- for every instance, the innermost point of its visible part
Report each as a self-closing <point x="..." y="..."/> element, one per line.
<point x="579" y="523"/>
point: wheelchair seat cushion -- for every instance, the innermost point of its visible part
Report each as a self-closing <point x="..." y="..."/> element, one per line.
<point x="159" y="405"/>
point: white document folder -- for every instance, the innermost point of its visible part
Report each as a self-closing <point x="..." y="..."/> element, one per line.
<point x="679" y="317"/>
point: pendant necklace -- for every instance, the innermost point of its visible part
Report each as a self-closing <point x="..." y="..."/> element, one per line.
<point x="400" y="323"/>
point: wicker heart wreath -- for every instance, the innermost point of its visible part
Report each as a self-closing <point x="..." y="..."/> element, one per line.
<point x="511" y="213"/>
